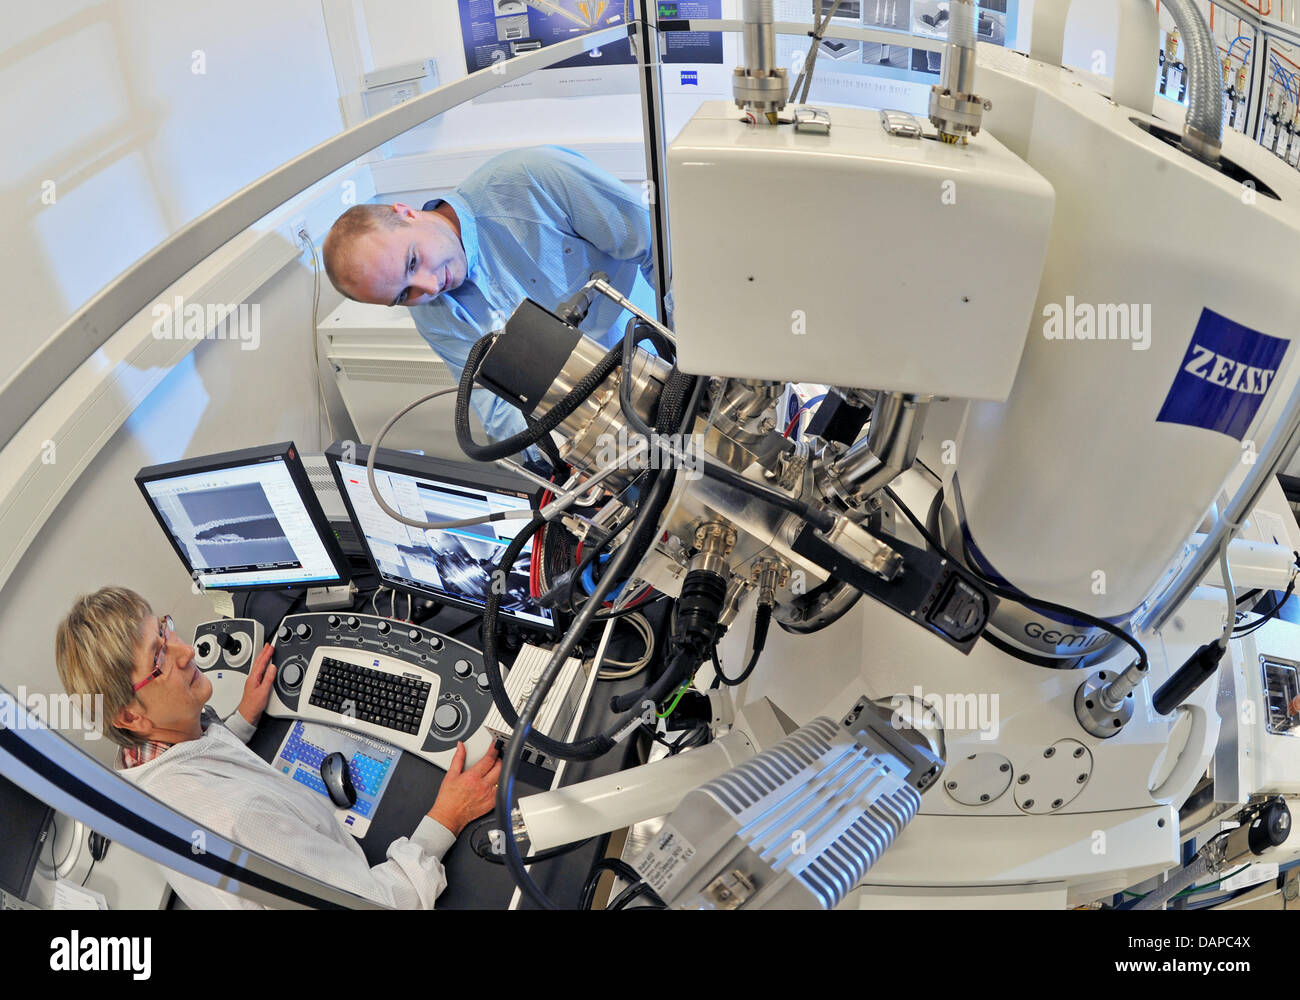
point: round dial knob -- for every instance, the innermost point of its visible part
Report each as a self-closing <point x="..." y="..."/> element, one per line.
<point x="231" y="645"/>
<point x="333" y="621"/>
<point x="435" y="642"/>
<point x="354" y="622"/>
<point x="291" y="675"/>
<point x="303" y="630"/>
<point x="446" y="717"/>
<point x="284" y="633"/>
<point x="384" y="628"/>
<point x="483" y="684"/>
<point x="413" y="635"/>
<point x="463" y="668"/>
<point x="204" y="648"/>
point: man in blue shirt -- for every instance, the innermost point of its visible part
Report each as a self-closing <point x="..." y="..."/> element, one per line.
<point x="531" y="223"/>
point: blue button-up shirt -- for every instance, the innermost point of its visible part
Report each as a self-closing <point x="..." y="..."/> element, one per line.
<point x="535" y="224"/>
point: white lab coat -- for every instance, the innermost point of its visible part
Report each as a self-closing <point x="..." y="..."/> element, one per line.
<point x="218" y="782"/>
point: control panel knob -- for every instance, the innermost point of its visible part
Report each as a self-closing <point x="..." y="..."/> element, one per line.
<point x="483" y="684"/>
<point x="413" y="635"/>
<point x="333" y="621"/>
<point x="231" y="645"/>
<point x="435" y="642"/>
<point x="303" y="630"/>
<point x="284" y="633"/>
<point x="204" y="648"/>
<point x="463" y="668"/>
<point x="384" y="628"/>
<point x="446" y="717"/>
<point x="354" y="622"/>
<point x="291" y="675"/>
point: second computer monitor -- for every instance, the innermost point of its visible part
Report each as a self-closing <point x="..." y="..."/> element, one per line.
<point x="456" y="565"/>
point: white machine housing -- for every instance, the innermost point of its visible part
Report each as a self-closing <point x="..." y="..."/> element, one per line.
<point x="808" y="303"/>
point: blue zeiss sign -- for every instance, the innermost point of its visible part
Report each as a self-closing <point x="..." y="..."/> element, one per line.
<point x="1224" y="377"/>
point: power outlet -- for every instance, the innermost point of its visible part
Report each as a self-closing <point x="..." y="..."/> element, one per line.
<point x="299" y="231"/>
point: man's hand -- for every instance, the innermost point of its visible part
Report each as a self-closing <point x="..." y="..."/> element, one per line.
<point x="257" y="689"/>
<point x="466" y="794"/>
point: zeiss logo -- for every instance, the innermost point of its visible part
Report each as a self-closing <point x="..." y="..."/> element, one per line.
<point x="690" y="78"/>
<point x="1224" y="377"/>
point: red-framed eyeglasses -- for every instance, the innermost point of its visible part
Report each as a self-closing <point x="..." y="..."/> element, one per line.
<point x="165" y="626"/>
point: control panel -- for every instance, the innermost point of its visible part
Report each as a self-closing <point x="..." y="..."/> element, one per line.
<point x="224" y="649"/>
<point x="402" y="683"/>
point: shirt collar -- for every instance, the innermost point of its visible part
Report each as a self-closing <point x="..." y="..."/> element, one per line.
<point x="151" y="750"/>
<point x="468" y="227"/>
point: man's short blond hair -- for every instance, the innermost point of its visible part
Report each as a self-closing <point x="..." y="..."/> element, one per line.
<point x="95" y="650"/>
<point x="356" y="222"/>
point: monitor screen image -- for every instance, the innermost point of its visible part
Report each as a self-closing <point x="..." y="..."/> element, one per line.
<point x="244" y="520"/>
<point x="454" y="565"/>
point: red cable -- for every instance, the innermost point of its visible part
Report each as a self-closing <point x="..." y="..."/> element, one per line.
<point x="535" y="560"/>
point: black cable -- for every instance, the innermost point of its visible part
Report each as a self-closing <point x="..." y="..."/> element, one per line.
<point x="494" y="858"/>
<point x="1266" y="616"/>
<point x="696" y="735"/>
<point x="818" y="518"/>
<point x="620" y="901"/>
<point x="1016" y="596"/>
<point x="762" y="618"/>
<point x="590" y="553"/>
<point x="582" y="750"/>
<point x="616" y="865"/>
<point x="546" y="443"/>
<point x="88" y="871"/>
<point x="54" y="823"/>
<point x="526" y="438"/>
<point x="625" y="384"/>
<point x="672" y="414"/>
<point x="680" y="669"/>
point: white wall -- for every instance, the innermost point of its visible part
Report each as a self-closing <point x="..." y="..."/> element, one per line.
<point x="404" y="30"/>
<point x="102" y="101"/>
<point x="221" y="397"/>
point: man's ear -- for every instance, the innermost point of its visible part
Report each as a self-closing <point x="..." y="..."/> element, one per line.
<point x="405" y="211"/>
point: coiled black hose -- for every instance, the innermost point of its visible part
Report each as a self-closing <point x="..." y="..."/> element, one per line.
<point x="526" y="438"/>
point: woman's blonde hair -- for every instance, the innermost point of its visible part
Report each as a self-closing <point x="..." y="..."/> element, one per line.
<point x="95" y="650"/>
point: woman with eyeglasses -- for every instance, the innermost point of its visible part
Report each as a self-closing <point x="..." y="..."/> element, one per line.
<point x="112" y="645"/>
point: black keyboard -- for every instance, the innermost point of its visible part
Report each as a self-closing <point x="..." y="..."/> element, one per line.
<point x="374" y="696"/>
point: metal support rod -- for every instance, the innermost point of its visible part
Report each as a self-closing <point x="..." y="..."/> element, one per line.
<point x="645" y="39"/>
<point x="609" y="291"/>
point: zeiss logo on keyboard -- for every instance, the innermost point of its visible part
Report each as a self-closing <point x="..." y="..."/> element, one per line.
<point x="690" y="78"/>
<point x="1224" y="377"/>
<point x="374" y="663"/>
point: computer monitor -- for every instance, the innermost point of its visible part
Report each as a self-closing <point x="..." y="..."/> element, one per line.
<point x="24" y="820"/>
<point x="452" y="566"/>
<point x="245" y="520"/>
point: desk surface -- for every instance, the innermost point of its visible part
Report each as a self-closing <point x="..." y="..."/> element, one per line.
<point x="472" y="882"/>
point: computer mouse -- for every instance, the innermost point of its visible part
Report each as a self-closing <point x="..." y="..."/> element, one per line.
<point x="338" y="782"/>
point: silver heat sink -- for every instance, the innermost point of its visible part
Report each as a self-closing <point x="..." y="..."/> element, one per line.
<point x="798" y="825"/>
